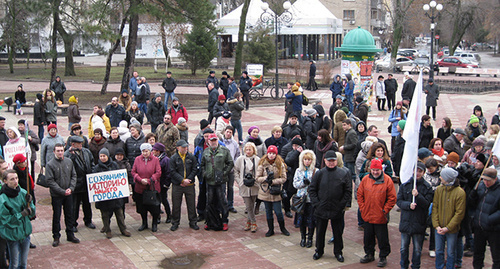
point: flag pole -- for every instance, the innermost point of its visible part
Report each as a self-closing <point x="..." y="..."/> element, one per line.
<point x="26" y="145"/>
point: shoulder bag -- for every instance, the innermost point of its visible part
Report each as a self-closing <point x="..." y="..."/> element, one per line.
<point x="151" y="196"/>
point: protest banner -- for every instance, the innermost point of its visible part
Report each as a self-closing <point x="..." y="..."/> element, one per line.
<point x="108" y="185"/>
<point x="9" y="151"/>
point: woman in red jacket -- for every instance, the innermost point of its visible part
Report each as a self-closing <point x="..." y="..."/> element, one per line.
<point x="146" y="173"/>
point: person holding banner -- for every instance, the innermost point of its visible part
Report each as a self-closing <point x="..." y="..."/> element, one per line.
<point x="16" y="209"/>
<point x="414" y="199"/>
<point x="108" y="207"/>
<point x="146" y="172"/>
<point x="33" y="140"/>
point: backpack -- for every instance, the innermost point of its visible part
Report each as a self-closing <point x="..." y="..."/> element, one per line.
<point x="305" y="100"/>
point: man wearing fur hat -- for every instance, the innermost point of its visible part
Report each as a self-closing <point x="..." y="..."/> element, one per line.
<point x="448" y="210"/>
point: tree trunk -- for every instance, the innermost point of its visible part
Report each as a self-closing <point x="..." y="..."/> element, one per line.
<point x="164" y="44"/>
<point x="68" y="48"/>
<point x="110" y="56"/>
<point x="11" y="59"/>
<point x="241" y="33"/>
<point x="131" y="44"/>
<point x="54" y="47"/>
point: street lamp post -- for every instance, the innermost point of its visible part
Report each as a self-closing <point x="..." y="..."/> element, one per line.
<point x="285" y="17"/>
<point x="432" y="6"/>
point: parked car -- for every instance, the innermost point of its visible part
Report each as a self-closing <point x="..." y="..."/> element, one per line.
<point x="406" y="53"/>
<point x="414" y="53"/>
<point x="445" y="52"/>
<point x="473" y="57"/>
<point x="456" y="62"/>
<point x="420" y="64"/>
<point x="423" y="54"/>
<point x="481" y="46"/>
<point x="386" y="63"/>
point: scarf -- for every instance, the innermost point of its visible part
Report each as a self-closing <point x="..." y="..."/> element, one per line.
<point x="378" y="180"/>
<point x="439" y="153"/>
<point x="11" y="193"/>
<point x="32" y="183"/>
<point x="53" y="135"/>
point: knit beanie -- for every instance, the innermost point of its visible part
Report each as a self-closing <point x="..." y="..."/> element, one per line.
<point x="473" y="119"/>
<point x="449" y="175"/>
<point x="273" y="149"/>
<point x="453" y="157"/>
<point x="104" y="151"/>
<point x="402" y="124"/>
<point x="376" y="164"/>
<point x="252" y="128"/>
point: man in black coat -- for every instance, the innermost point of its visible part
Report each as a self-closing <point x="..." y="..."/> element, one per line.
<point x="310" y="128"/>
<point x="82" y="160"/>
<point x="292" y="126"/>
<point x="414" y="204"/>
<point x="182" y="172"/>
<point x="224" y="82"/>
<point x="330" y="193"/>
<point x="115" y="112"/>
<point x="156" y="112"/>
<point x="245" y="85"/>
<point x="486" y="201"/>
<point x="212" y="79"/>
<point x="312" y="85"/>
<point x="58" y="88"/>
<point x="213" y="96"/>
<point x="292" y="162"/>
<point x="391" y="87"/>
<point x="169" y="84"/>
<point x="408" y="89"/>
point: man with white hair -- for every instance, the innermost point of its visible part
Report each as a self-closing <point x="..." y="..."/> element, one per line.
<point x="408" y="89"/>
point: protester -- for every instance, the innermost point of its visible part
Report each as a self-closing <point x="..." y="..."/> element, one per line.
<point x="177" y="110"/>
<point x="50" y="107"/>
<point x="324" y="143"/>
<point x="426" y="132"/>
<point x="169" y="84"/>
<point x="115" y="112"/>
<point x="336" y="88"/>
<point x="234" y="149"/>
<point x="391" y="87"/>
<point x="125" y="100"/>
<point x="253" y="136"/>
<point x="432" y="91"/>
<point x="135" y="113"/>
<point x="48" y="144"/>
<point x="397" y="114"/>
<point x="236" y="106"/>
<point x="39" y="114"/>
<point x="245" y="85"/>
<point x="445" y="131"/>
<point x="168" y="135"/>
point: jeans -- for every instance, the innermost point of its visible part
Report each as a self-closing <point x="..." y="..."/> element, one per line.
<point x="379" y="231"/>
<point x="41" y="132"/>
<point x="237" y="126"/>
<point x="418" y="241"/>
<point x="230" y="190"/>
<point x="276" y="206"/>
<point x="480" y="238"/>
<point x="216" y="197"/>
<point x="168" y="95"/>
<point x="352" y="169"/>
<point x="58" y="204"/>
<point x="338" y="230"/>
<point x="18" y="253"/>
<point x="189" y="196"/>
<point x="451" y="240"/>
<point x="349" y="102"/>
<point x="19" y="104"/>
<point x="143" y="107"/>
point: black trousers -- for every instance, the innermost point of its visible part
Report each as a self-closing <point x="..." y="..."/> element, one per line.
<point x="480" y="239"/>
<point x="202" y="199"/>
<point x="216" y="199"/>
<point x="290" y="191"/>
<point x="381" y="103"/>
<point x="60" y="97"/>
<point x="210" y="117"/>
<point x="164" y="200"/>
<point x="338" y="230"/>
<point x="82" y="198"/>
<point x="379" y="231"/>
<point x="189" y="195"/>
<point x="312" y="85"/>
<point x="433" y="111"/>
<point x="246" y="98"/>
<point x="391" y="101"/>
<point x="58" y="204"/>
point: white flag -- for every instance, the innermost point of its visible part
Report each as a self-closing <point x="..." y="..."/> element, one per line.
<point x="496" y="149"/>
<point x="411" y="133"/>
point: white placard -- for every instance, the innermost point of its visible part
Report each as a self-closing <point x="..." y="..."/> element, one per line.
<point x="108" y="185"/>
<point x="255" y="69"/>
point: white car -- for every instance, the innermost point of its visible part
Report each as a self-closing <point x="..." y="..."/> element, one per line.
<point x="473" y="57"/>
<point x="386" y="63"/>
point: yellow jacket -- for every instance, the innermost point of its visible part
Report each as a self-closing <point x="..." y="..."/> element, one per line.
<point x="106" y="123"/>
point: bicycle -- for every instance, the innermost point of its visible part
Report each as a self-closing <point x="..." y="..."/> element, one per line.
<point x="259" y="91"/>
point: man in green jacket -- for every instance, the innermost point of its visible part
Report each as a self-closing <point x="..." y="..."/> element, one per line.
<point x="216" y="163"/>
<point x="448" y="210"/>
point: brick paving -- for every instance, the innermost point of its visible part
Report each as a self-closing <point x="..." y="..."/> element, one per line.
<point x="234" y="248"/>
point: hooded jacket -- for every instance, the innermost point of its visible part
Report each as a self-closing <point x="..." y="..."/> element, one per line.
<point x="448" y="207"/>
<point x="302" y="173"/>
<point x="296" y="97"/>
<point x="336" y="86"/>
<point x="235" y="107"/>
<point x="177" y="112"/>
<point x="14" y="226"/>
<point x="414" y="221"/>
<point x="376" y="198"/>
<point x="349" y="87"/>
<point x="338" y="132"/>
<point x="322" y="121"/>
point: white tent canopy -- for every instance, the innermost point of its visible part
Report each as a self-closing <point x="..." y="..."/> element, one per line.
<point x="310" y="17"/>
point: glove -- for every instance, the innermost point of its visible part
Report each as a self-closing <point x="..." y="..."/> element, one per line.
<point x="307" y="181"/>
<point x="29" y="198"/>
<point x="269" y="181"/>
<point x="26" y="212"/>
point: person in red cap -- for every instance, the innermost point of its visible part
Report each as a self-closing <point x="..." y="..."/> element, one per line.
<point x="216" y="164"/>
<point x="20" y="165"/>
<point x="376" y="198"/>
<point x="272" y="172"/>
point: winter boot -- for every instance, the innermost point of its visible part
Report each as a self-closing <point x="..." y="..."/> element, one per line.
<point x="154" y="225"/>
<point x="282" y="227"/>
<point x="270" y="225"/>
<point x="310" y="235"/>
<point x="302" y="236"/>
<point x="144" y="225"/>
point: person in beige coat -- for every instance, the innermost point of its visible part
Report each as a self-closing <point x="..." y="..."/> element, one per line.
<point x="272" y="171"/>
<point x="244" y="166"/>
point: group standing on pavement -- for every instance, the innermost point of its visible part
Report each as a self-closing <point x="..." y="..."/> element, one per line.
<point x="299" y="168"/>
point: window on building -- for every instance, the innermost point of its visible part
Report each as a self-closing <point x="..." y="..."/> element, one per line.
<point x="348" y="15"/>
<point x="139" y="44"/>
<point x="374" y="14"/>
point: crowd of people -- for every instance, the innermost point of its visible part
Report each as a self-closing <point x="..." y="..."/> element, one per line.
<point x="311" y="165"/>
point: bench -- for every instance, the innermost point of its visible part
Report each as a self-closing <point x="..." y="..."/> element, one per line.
<point x="63" y="108"/>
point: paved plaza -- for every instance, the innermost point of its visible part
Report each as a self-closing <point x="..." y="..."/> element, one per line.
<point x="208" y="249"/>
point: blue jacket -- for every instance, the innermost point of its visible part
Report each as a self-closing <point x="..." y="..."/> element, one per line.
<point x="296" y="100"/>
<point x="132" y="85"/>
<point x="349" y="87"/>
<point x="231" y="91"/>
<point x="394" y="121"/>
<point x="336" y="87"/>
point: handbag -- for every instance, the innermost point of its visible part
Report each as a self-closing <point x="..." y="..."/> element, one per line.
<point x="151" y="196"/>
<point x="42" y="181"/>
<point x="275" y="189"/>
<point x="389" y="128"/>
<point x="249" y="178"/>
<point x="298" y="203"/>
